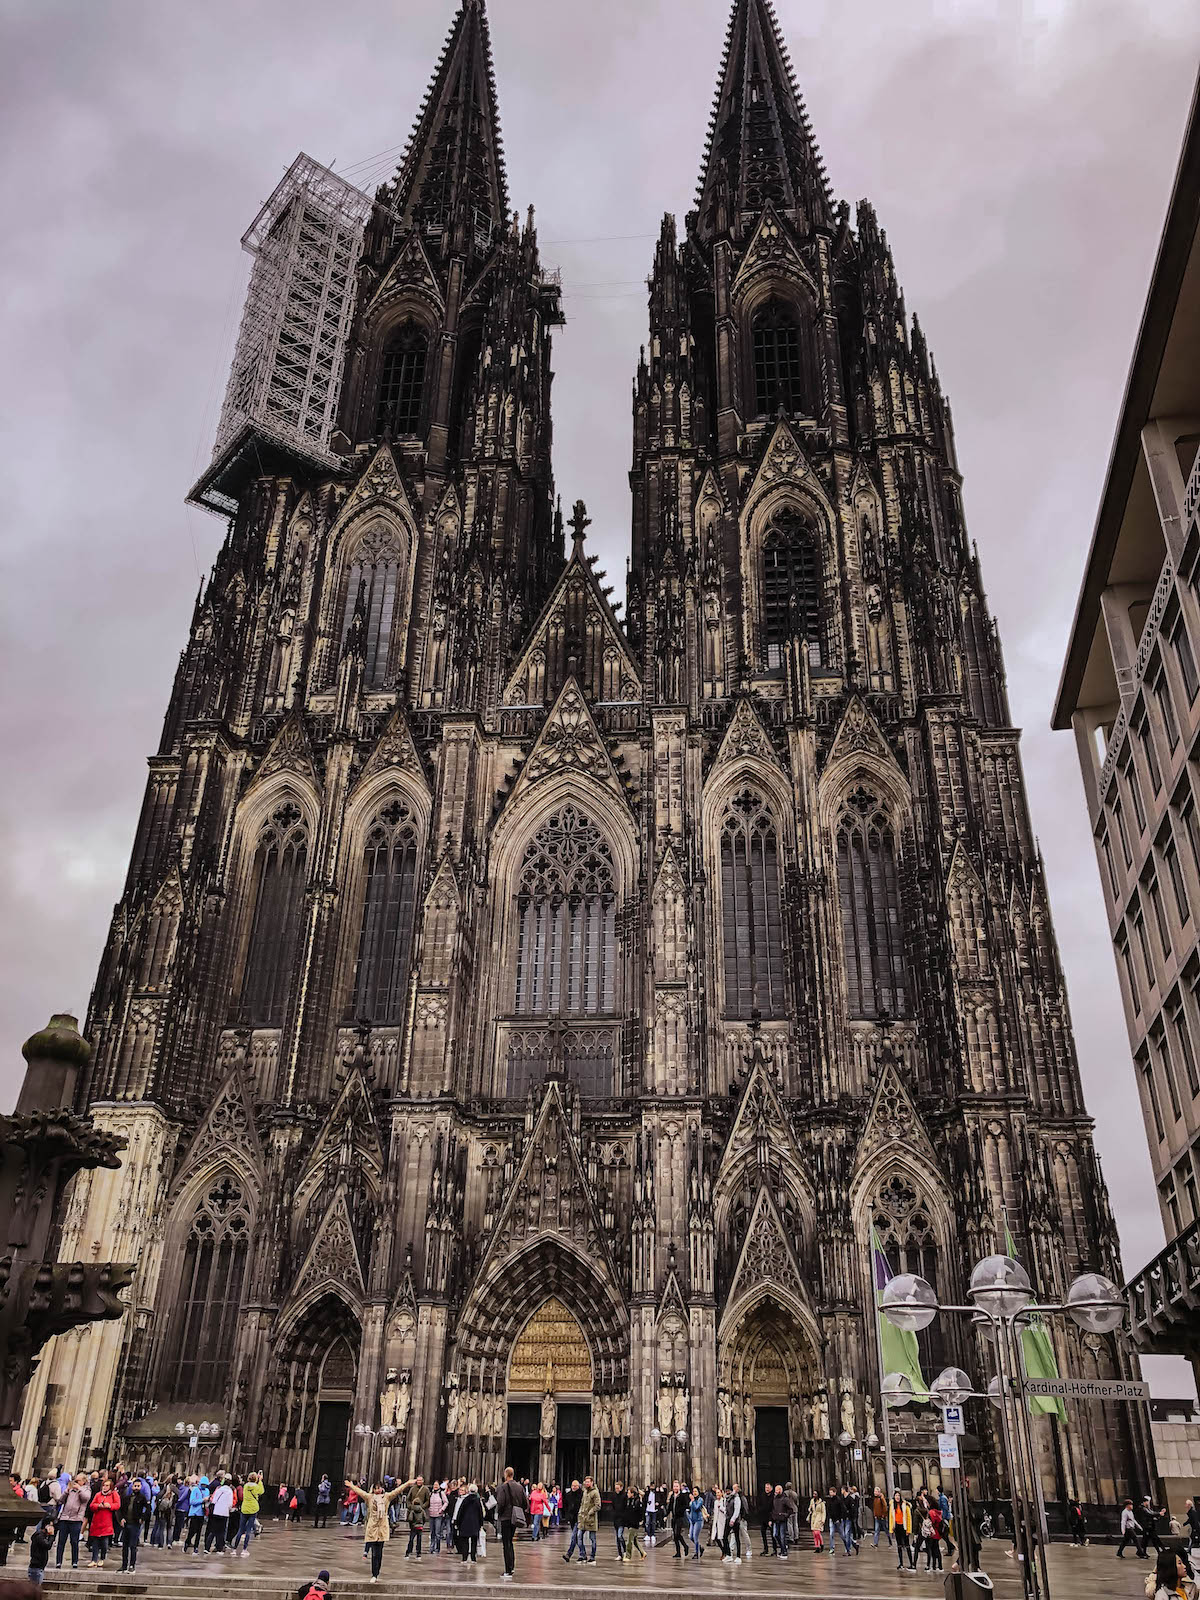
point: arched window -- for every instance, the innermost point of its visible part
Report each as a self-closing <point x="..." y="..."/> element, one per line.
<point x="907" y="1236"/>
<point x="869" y="895"/>
<point x="369" y="601"/>
<point x="390" y="862"/>
<point x="210" y="1293"/>
<point x="751" y="915"/>
<point x="781" y="361"/>
<point x="401" y="384"/>
<point x="566" y="920"/>
<point x="791" y="588"/>
<point x="280" y="864"/>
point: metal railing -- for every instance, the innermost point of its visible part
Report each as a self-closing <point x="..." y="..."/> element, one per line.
<point x="1164" y="1298"/>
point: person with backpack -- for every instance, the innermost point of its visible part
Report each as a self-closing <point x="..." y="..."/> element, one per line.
<point x="41" y="1542"/>
<point x="512" y="1510"/>
<point x="318" y="1589"/>
<point x="931" y="1533"/>
<point x="196" y="1506"/>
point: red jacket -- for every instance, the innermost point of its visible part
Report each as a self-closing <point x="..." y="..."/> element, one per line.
<point x="100" y="1513"/>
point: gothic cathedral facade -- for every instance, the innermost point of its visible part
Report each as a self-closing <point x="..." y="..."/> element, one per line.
<point x="518" y="1016"/>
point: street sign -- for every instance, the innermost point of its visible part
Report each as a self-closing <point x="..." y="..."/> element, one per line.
<point x="858" y="1455"/>
<point x="1088" y="1388"/>
<point x="948" y="1449"/>
<point x="952" y="1420"/>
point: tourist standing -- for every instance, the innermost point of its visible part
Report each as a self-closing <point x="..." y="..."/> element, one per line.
<point x="418" y="1514"/>
<point x="735" y="1508"/>
<point x="817" y="1512"/>
<point x="589" y="1517"/>
<point x="134" y="1503"/>
<point x="41" y="1542"/>
<point x="766" y="1519"/>
<point x="677" y="1510"/>
<point x="1171" y="1579"/>
<point x="537" y="1507"/>
<point x="379" y="1527"/>
<point x="651" y="1522"/>
<point x="512" y="1508"/>
<point x="1191" y="1521"/>
<point x="252" y="1494"/>
<point x="102" y="1508"/>
<point x="468" y="1520"/>
<point x="71" y="1512"/>
<point x="322" y="1502"/>
<point x="635" y="1511"/>
<point x="620" y="1505"/>
<point x="696" y="1522"/>
<point x="571" y="1503"/>
<point x="437" y="1517"/>
<point x="900" y="1519"/>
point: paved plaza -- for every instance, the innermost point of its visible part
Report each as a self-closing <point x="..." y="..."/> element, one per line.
<point x="284" y="1555"/>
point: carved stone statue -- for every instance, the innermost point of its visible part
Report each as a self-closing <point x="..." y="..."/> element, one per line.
<point x="452" y="1407"/>
<point x="849" y="1421"/>
<point x="549" y="1416"/>
<point x="869" y="1408"/>
<point x="604" y="1417"/>
<point x="473" y="1415"/>
<point x="820" y="1416"/>
<point x="798" y="1419"/>
<point x="666" y="1407"/>
<point x="682" y="1406"/>
<point x="387" y="1407"/>
<point x="724" y="1416"/>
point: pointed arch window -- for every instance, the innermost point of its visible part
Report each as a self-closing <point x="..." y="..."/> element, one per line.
<point x="210" y="1292"/>
<point x="280" y="869"/>
<point x="791" y="588"/>
<point x="402" y="383"/>
<point x="906" y="1233"/>
<point x="369" y="602"/>
<point x="781" y="365"/>
<point x="871" y="910"/>
<point x="751" y="911"/>
<point x="385" y="939"/>
<point x="566" y="920"/>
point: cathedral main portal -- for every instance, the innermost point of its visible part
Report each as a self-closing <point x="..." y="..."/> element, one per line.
<point x="550" y="1424"/>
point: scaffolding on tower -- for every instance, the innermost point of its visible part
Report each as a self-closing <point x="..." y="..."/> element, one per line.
<point x="286" y="379"/>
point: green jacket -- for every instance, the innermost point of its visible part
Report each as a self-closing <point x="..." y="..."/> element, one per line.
<point x="589" y="1510"/>
<point x="418" y="1507"/>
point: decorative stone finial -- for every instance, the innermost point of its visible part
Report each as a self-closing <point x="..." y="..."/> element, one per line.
<point x="55" y="1056"/>
<point x="59" y="1040"/>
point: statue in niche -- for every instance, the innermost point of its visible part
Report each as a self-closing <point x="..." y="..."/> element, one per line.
<point x="682" y="1406"/>
<point x="549" y="1416"/>
<point x="452" y="1407"/>
<point x="849" y="1421"/>
<point x="820" y="1415"/>
<point x="402" y="1402"/>
<point x="604" y="1417"/>
<point x="798" y="1419"/>
<point x="387" y="1407"/>
<point x="473" y="1415"/>
<point x="666" y="1406"/>
<point x="724" y="1414"/>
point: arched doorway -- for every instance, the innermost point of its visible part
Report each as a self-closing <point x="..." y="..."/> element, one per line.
<point x="316" y="1374"/>
<point x="772" y="1411"/>
<point x="550" y="1381"/>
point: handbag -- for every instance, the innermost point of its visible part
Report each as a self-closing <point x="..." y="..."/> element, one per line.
<point x="517" y="1515"/>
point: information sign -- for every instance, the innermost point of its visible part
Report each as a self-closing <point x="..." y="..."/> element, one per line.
<point x="948" y="1449"/>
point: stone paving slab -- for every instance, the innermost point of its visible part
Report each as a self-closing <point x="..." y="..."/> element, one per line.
<point x="287" y="1554"/>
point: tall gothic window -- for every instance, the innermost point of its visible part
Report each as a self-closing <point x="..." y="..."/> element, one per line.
<point x="751" y="915"/>
<point x="280" y="865"/>
<point x="869" y="895"/>
<point x="369" y="602"/>
<point x="566" y="920"/>
<point x="390" y="861"/>
<point x="781" y="378"/>
<point x="791" y="588"/>
<point x="210" y="1292"/>
<point x="401" y="384"/>
<point x="906" y="1233"/>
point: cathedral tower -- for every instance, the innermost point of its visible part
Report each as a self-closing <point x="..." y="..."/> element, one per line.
<point x="519" y="1019"/>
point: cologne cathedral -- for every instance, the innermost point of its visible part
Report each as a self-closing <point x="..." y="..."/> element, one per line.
<point x="519" y="1015"/>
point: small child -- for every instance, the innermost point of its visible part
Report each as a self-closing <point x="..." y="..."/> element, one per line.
<point x="41" y="1542"/>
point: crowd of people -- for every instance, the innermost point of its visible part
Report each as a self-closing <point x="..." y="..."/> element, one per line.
<point x="220" y="1516"/>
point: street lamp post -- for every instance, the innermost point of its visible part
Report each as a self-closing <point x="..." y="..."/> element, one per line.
<point x="1002" y="1303"/>
<point x="195" y="1431"/>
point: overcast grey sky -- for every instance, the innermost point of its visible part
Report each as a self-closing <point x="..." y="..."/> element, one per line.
<point x="1019" y="155"/>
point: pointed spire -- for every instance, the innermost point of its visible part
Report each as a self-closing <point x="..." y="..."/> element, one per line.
<point x="453" y="166"/>
<point x="760" y="146"/>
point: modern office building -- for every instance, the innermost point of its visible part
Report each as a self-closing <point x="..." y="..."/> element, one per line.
<point x="1131" y="691"/>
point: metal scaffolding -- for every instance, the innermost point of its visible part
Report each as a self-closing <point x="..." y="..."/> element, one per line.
<point x="287" y="368"/>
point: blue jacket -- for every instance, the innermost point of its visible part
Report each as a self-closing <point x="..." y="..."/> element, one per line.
<point x="196" y="1499"/>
